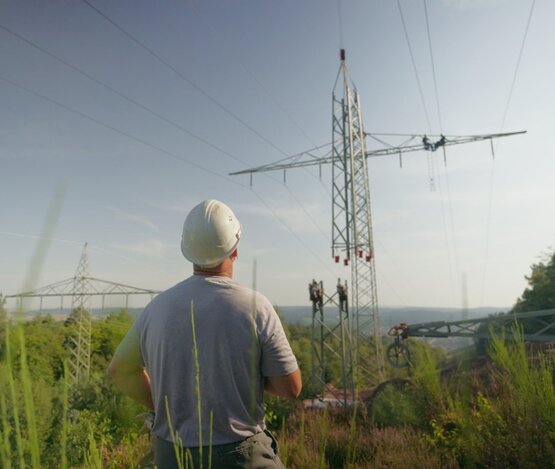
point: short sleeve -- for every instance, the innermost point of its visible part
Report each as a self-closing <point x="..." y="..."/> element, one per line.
<point x="129" y="350"/>
<point x="277" y="357"/>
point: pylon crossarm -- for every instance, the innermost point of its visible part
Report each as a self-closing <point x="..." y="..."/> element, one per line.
<point x="118" y="288"/>
<point x="309" y="158"/>
<point x="298" y="160"/>
<point x="95" y="287"/>
<point x="63" y="287"/>
<point x="435" y="142"/>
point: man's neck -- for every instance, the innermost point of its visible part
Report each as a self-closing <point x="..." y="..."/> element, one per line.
<point x="225" y="269"/>
<point x="209" y="273"/>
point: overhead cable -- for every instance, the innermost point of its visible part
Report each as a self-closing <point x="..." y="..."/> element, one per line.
<point x="120" y="94"/>
<point x="163" y="151"/>
<point x="451" y="247"/>
<point x="415" y="69"/>
<point x="257" y="81"/>
<point x="194" y="85"/>
<point x="119" y="131"/>
<point x="147" y="109"/>
<point x="517" y="67"/>
<point x="185" y="78"/>
<point x="433" y="66"/>
<point x="492" y="175"/>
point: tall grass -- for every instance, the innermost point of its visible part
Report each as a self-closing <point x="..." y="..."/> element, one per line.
<point x="197" y="384"/>
<point x="65" y="403"/>
<point x="13" y="401"/>
<point x="523" y="406"/>
<point x="29" y="406"/>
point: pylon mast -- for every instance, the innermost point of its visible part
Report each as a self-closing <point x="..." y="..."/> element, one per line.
<point x="352" y="221"/>
<point x="352" y="240"/>
<point x="80" y="359"/>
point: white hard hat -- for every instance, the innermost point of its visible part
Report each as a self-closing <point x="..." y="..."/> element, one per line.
<point x="211" y="232"/>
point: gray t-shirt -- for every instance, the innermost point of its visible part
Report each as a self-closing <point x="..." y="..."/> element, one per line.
<point x="240" y="339"/>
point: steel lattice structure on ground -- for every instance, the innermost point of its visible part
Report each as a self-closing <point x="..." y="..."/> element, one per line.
<point x="81" y="289"/>
<point x="530" y="326"/>
<point x="540" y="327"/>
<point x="351" y="211"/>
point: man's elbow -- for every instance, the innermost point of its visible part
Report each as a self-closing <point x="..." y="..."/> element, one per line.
<point x="296" y="385"/>
<point x="296" y="391"/>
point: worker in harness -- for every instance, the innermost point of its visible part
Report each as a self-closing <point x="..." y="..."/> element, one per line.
<point x="343" y="295"/>
<point x="315" y="294"/>
<point x="203" y="352"/>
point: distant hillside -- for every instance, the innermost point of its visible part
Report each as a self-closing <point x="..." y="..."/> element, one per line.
<point x="391" y="315"/>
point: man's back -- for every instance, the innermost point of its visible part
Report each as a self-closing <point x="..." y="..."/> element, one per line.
<point x="203" y="353"/>
<point x="239" y="339"/>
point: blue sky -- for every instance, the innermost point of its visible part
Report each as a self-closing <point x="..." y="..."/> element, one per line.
<point x="266" y="71"/>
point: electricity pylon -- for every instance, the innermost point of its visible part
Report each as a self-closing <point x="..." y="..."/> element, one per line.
<point x="80" y="359"/>
<point x="82" y="289"/>
<point x="351" y="211"/>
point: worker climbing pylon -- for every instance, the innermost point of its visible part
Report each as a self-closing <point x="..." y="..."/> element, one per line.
<point x="342" y="293"/>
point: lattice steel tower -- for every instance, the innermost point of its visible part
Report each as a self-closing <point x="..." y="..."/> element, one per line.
<point x="352" y="241"/>
<point x="352" y="220"/>
<point x="80" y="358"/>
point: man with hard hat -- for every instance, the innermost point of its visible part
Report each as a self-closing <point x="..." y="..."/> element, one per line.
<point x="202" y="353"/>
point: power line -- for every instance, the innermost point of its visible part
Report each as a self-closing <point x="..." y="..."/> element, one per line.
<point x="270" y="96"/>
<point x="492" y="171"/>
<point x="509" y="98"/>
<point x="451" y="247"/>
<point x="299" y="239"/>
<point x="120" y="94"/>
<point x="196" y="87"/>
<point x="115" y="129"/>
<point x="433" y="66"/>
<point x="415" y="69"/>
<point x="185" y="78"/>
<point x="145" y="108"/>
<point x="258" y="82"/>
<point x="161" y="150"/>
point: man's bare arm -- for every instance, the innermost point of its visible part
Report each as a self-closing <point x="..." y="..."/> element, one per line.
<point x="288" y="386"/>
<point x="133" y="381"/>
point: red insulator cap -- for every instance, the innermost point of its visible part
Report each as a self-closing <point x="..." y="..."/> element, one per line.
<point x="360" y="253"/>
<point x="337" y="259"/>
<point x="346" y="261"/>
<point x="368" y="258"/>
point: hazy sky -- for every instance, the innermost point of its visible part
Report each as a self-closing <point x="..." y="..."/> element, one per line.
<point x="139" y="141"/>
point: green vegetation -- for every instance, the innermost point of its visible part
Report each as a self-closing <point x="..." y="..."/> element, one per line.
<point x="495" y="412"/>
<point x="540" y="293"/>
<point x="41" y="423"/>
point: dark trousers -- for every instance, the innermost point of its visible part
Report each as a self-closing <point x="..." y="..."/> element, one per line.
<point x="256" y="452"/>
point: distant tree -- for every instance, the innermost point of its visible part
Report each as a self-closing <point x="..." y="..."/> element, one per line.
<point x="540" y="293"/>
<point x="107" y="333"/>
<point x="537" y="296"/>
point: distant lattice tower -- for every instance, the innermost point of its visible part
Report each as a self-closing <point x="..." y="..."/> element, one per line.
<point x="80" y="359"/>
